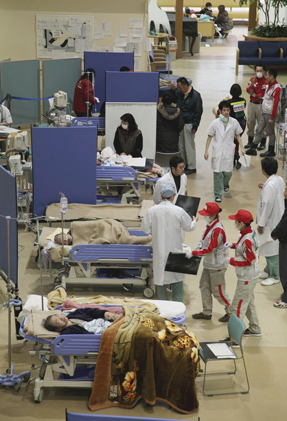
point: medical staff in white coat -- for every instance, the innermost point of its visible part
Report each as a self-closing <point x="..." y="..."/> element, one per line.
<point x="222" y="130"/>
<point x="176" y="176"/>
<point x="246" y="263"/>
<point x="165" y="222"/>
<point x="270" y="208"/>
<point x="5" y="120"/>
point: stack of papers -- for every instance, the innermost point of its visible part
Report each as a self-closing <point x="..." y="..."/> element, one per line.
<point x="222" y="350"/>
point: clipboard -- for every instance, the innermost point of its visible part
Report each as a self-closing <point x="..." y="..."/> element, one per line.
<point x="188" y="203"/>
<point x="177" y="262"/>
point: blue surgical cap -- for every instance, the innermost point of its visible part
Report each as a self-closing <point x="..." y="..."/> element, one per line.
<point x="167" y="190"/>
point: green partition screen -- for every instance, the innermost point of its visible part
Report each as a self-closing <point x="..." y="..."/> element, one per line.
<point x="60" y="75"/>
<point x="21" y="79"/>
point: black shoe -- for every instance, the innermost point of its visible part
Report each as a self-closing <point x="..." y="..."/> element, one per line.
<point x="188" y="171"/>
<point x="250" y="141"/>
<point x="268" y="154"/>
<point x="251" y="152"/>
<point x="262" y="145"/>
<point x="238" y="165"/>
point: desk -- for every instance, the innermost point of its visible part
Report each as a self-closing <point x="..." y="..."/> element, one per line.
<point x="189" y="27"/>
<point x="158" y="36"/>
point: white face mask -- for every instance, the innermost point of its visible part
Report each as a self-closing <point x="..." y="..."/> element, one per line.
<point x="125" y="126"/>
<point x="259" y="75"/>
<point x="206" y="218"/>
<point x="236" y="226"/>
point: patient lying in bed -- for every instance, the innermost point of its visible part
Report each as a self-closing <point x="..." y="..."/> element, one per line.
<point x="83" y="321"/>
<point x="102" y="231"/>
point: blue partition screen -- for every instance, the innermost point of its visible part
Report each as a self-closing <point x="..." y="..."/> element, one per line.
<point x="101" y="62"/>
<point x="64" y="159"/>
<point x="22" y="79"/>
<point x="132" y="87"/>
<point x="61" y="75"/>
<point x="8" y="207"/>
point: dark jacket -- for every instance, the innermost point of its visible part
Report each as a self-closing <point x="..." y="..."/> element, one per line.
<point x="236" y="105"/>
<point x="190" y="107"/>
<point x="224" y="21"/>
<point x="280" y="231"/>
<point x="86" y="314"/>
<point x="169" y="125"/>
<point x="129" y="143"/>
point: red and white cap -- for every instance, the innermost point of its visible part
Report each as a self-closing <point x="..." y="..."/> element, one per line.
<point x="242" y="216"/>
<point x="210" y="208"/>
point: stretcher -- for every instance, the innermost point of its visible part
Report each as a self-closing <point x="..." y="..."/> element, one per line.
<point x="69" y="360"/>
<point x="93" y="262"/>
<point x="123" y="177"/>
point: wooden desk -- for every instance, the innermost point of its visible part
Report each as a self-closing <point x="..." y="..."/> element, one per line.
<point x="206" y="29"/>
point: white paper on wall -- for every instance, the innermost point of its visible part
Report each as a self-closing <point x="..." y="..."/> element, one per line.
<point x="74" y="21"/>
<point x="136" y="23"/>
<point x="41" y="41"/>
<point x="138" y="32"/>
<point x="137" y="64"/>
<point x="71" y="42"/>
<point x="58" y="54"/>
<point x="107" y="28"/>
<point x="98" y="30"/>
<point x="135" y="47"/>
<point x="88" y="31"/>
<point x="79" y="45"/>
<point x="123" y="31"/>
<point x="75" y="31"/>
<point x="103" y="49"/>
<point x="134" y="39"/>
<point x="89" y="44"/>
<point x="146" y="44"/>
<point x="119" y="49"/>
<point x="120" y="41"/>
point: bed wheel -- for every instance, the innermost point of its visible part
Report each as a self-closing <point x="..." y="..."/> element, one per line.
<point x="17" y="387"/>
<point x="40" y="396"/>
<point x="148" y="292"/>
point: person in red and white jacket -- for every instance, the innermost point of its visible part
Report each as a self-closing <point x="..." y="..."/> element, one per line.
<point x="211" y="247"/>
<point x="267" y="118"/>
<point x="256" y="89"/>
<point x="84" y="92"/>
<point x="246" y="263"/>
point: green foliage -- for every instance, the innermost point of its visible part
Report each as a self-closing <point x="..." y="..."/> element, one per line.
<point x="270" y="31"/>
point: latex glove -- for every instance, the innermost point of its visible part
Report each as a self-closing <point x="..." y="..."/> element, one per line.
<point x="188" y="255"/>
<point x="97" y="99"/>
<point x="228" y="245"/>
<point x="227" y="260"/>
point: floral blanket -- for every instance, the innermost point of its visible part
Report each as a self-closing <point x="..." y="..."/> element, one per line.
<point x="143" y="355"/>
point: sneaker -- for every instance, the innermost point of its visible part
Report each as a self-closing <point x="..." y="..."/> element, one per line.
<point x="226" y="188"/>
<point x="218" y="199"/>
<point x="263" y="275"/>
<point x="248" y="332"/>
<point x="280" y="304"/>
<point x="234" y="344"/>
<point x="224" y="319"/>
<point x="202" y="316"/>
<point x="270" y="281"/>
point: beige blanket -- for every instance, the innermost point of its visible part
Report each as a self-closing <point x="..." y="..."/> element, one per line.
<point x="105" y="231"/>
<point x="81" y="211"/>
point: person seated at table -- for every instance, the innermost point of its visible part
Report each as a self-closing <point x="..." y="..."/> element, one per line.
<point x="128" y="138"/>
<point x="125" y="69"/>
<point x="207" y="10"/>
<point x="84" y="91"/>
<point x="223" y="22"/>
<point x="169" y="124"/>
<point x="5" y="120"/>
<point x="74" y="322"/>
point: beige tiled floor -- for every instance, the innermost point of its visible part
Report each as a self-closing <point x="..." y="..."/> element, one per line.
<point x="212" y="72"/>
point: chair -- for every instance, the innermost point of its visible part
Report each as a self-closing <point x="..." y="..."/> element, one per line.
<point x="283" y="45"/>
<point x="163" y="159"/>
<point x="72" y="416"/>
<point x="236" y="329"/>
<point x="249" y="53"/>
<point x="271" y="53"/>
<point x="159" y="61"/>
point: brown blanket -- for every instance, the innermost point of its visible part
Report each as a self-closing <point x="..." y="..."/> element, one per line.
<point x="143" y="355"/>
<point x="105" y="231"/>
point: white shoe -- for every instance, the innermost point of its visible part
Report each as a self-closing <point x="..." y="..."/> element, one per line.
<point x="263" y="275"/>
<point x="270" y="281"/>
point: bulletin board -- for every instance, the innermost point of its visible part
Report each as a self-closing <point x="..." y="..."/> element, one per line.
<point x="145" y="117"/>
<point x="64" y="36"/>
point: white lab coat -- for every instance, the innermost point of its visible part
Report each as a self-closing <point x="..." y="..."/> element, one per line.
<point x="5" y="115"/>
<point x="168" y="178"/>
<point x="270" y="208"/>
<point x="223" y="144"/>
<point x="165" y="222"/>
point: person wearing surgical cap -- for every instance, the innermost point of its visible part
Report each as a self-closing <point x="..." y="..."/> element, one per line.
<point x="166" y="222"/>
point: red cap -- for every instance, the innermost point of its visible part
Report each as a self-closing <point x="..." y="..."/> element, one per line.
<point x="242" y="216"/>
<point x="210" y="209"/>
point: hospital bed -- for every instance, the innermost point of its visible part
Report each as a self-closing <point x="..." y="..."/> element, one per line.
<point x="69" y="360"/>
<point x="100" y="122"/>
<point x="93" y="261"/>
<point x="116" y="176"/>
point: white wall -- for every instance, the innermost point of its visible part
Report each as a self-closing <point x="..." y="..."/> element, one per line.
<point x="18" y="22"/>
<point x="282" y="15"/>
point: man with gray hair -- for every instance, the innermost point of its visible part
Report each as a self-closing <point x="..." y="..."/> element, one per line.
<point x="166" y="222"/>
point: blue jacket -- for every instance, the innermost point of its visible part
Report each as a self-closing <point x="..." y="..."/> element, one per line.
<point x="86" y="314"/>
<point x="190" y="107"/>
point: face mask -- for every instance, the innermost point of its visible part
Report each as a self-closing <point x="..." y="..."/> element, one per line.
<point x="206" y="218"/>
<point x="259" y="75"/>
<point x="222" y="118"/>
<point x="236" y="226"/>
<point x="125" y="126"/>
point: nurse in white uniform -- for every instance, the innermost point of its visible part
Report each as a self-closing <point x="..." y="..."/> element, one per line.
<point x="270" y="208"/>
<point x="5" y="120"/>
<point x="165" y="222"/>
<point x="222" y="130"/>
